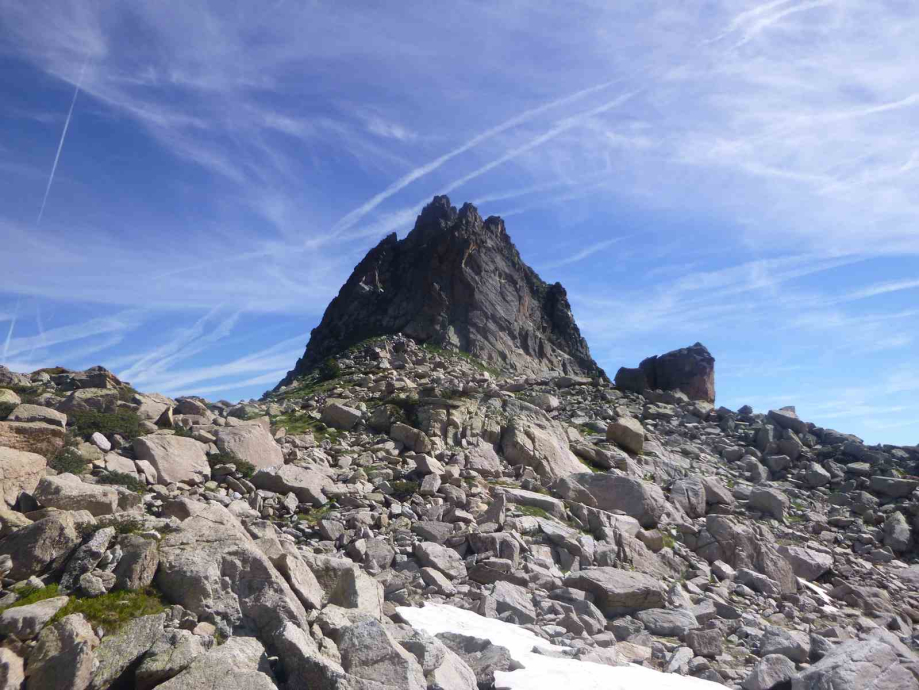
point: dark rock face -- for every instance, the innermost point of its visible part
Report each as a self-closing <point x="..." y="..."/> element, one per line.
<point x="690" y="370"/>
<point x="456" y="281"/>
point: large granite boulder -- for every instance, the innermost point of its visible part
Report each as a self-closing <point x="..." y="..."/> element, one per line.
<point x="239" y="664"/>
<point x="636" y="498"/>
<point x="532" y="439"/>
<point x="690" y="370"/>
<point x="69" y="492"/>
<point x="368" y="651"/>
<point x="42" y="546"/>
<point x="857" y="665"/>
<point x="175" y="458"/>
<point x="307" y="484"/>
<point x="742" y="545"/>
<point x="627" y="433"/>
<point x="121" y="650"/>
<point x="63" y="657"/>
<point x="212" y="567"/>
<point x="38" y="413"/>
<point x="807" y="564"/>
<point x="34" y="437"/>
<point x="20" y="472"/>
<point x="251" y="443"/>
<point x="618" y="592"/>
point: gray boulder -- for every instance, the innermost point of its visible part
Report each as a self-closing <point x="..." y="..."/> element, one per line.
<point x="168" y="657"/>
<point x="340" y="416"/>
<point x="175" y="458"/>
<point x="857" y="665"/>
<point x="63" y="657"/>
<point x="120" y="650"/>
<point x="441" y="558"/>
<point x="239" y="664"/>
<point x="893" y="487"/>
<point x="42" y="546"/>
<point x="806" y="563"/>
<point x="673" y="622"/>
<point x="618" y="592"/>
<point x="69" y="492"/>
<point x="344" y="583"/>
<point x="769" y="672"/>
<point x="86" y="557"/>
<point x="708" y="644"/>
<point x="742" y="545"/>
<point x="368" y="651"/>
<point x="12" y="667"/>
<point x="791" y="643"/>
<point x="20" y="472"/>
<point x="483" y="657"/>
<point x="308" y="485"/>
<point x="897" y="533"/>
<point x="25" y="622"/>
<point x="38" y="413"/>
<point x="516" y="600"/>
<point x="636" y="498"/>
<point x="536" y="441"/>
<point x="770" y="501"/>
<point x="787" y="418"/>
<point x="139" y="561"/>
<point x="816" y="476"/>
<point x="628" y="434"/>
<point x="690" y="495"/>
<point x="252" y="443"/>
<point x="211" y="566"/>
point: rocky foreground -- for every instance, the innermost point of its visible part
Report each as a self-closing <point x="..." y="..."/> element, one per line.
<point x="158" y="543"/>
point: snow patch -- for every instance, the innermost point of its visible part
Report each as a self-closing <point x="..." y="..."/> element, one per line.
<point x="543" y="672"/>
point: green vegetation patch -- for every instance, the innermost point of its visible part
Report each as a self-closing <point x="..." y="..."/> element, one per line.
<point x="316" y="514"/>
<point x="309" y="386"/>
<point x="596" y="469"/>
<point x="473" y="360"/>
<point x="533" y="511"/>
<point x="329" y="369"/>
<point x="244" y="467"/>
<point x="33" y="595"/>
<point x="6" y="408"/>
<point x="402" y="489"/>
<point x="123" y="422"/>
<point x="112" y="610"/>
<point x="68" y="459"/>
<point x="123" y="479"/>
<point x="302" y="423"/>
<point x="126" y="394"/>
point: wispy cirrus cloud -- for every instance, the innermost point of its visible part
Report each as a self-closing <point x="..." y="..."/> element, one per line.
<point x="584" y="253"/>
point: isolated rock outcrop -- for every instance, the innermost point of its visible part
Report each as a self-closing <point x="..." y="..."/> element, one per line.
<point x="456" y="281"/>
<point x="690" y="370"/>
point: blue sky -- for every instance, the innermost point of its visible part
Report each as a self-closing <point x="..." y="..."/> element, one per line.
<point x="739" y="173"/>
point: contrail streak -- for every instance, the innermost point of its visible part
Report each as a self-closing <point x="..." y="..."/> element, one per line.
<point x="60" y="144"/>
<point x="351" y="218"/>
<point x="9" y="333"/>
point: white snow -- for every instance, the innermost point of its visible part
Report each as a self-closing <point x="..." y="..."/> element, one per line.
<point x="821" y="594"/>
<point x="543" y="672"/>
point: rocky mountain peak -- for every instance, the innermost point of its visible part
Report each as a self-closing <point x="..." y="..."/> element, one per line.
<point x="456" y="282"/>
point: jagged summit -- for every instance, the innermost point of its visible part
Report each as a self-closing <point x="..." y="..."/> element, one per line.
<point x="458" y="282"/>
